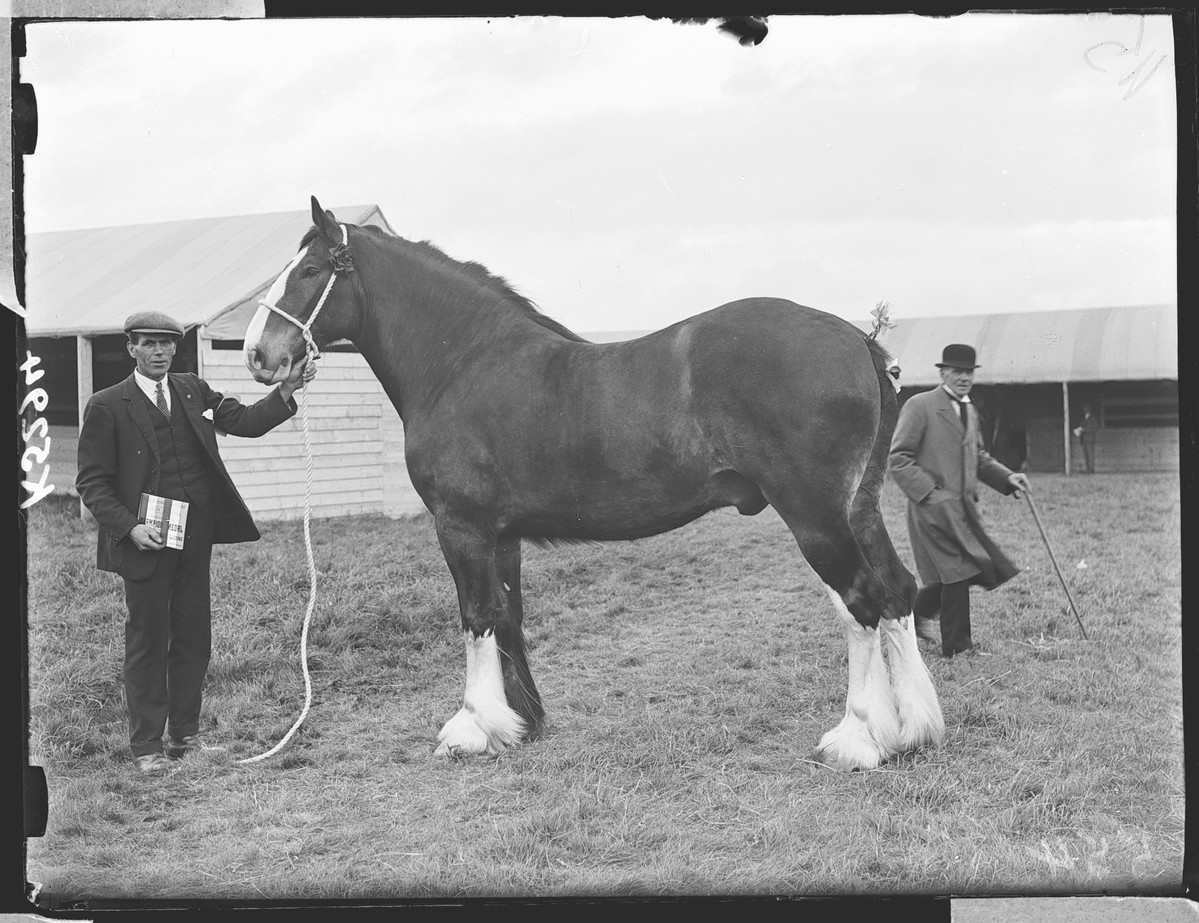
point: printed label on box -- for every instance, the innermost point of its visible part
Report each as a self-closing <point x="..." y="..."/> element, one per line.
<point x="168" y="516"/>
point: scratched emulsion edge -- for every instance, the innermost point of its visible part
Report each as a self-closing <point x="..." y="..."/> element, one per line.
<point x="8" y="283"/>
<point x="79" y="9"/>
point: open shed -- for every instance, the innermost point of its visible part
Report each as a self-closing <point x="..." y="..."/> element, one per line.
<point x="1038" y="369"/>
<point x="82" y="284"/>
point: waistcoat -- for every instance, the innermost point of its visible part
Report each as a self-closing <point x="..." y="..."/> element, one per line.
<point x="185" y="473"/>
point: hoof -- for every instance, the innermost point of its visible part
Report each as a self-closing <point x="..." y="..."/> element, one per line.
<point x="463" y="736"/>
<point x="922" y="729"/>
<point x="850" y="748"/>
<point x="837" y="759"/>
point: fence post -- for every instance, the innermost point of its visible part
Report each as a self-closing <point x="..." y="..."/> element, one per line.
<point x="83" y="374"/>
<point x="1066" y="425"/>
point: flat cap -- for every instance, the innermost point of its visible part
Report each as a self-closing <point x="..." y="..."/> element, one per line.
<point x="152" y="322"/>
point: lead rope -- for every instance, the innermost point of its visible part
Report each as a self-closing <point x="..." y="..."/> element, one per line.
<point x="312" y="587"/>
<point x="341" y="262"/>
<point x="311" y="582"/>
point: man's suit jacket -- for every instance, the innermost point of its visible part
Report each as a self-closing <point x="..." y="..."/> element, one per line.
<point x="119" y="461"/>
<point x="938" y="464"/>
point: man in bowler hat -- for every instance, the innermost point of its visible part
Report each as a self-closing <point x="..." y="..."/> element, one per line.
<point x="938" y="459"/>
<point x="154" y="433"/>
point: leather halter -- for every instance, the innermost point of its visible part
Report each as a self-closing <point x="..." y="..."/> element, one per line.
<point x="340" y="258"/>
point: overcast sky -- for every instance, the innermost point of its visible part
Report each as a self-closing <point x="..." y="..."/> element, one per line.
<point x="627" y="173"/>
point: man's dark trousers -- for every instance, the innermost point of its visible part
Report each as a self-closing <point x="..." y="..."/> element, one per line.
<point x="953" y="601"/>
<point x="168" y="639"/>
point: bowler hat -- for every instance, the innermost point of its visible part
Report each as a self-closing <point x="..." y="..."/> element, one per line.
<point x="957" y="356"/>
<point x="152" y="322"/>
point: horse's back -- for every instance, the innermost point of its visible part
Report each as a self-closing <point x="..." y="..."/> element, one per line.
<point x="757" y="345"/>
<point x="768" y="362"/>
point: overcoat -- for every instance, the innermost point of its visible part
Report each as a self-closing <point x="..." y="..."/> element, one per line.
<point x="119" y="460"/>
<point x="938" y="464"/>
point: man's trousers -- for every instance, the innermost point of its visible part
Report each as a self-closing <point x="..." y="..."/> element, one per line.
<point x="953" y="602"/>
<point x="168" y="639"/>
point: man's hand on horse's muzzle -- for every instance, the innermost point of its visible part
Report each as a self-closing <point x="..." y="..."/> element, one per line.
<point x="300" y="374"/>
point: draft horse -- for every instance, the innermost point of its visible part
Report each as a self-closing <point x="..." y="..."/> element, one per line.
<point x="517" y="429"/>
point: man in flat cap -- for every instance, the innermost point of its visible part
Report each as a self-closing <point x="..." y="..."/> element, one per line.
<point x="938" y="459"/>
<point x="153" y="433"/>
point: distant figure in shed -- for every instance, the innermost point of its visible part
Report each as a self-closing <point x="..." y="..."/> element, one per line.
<point x="1087" y="432"/>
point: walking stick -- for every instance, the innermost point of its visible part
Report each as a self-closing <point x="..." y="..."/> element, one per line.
<point x="1035" y="515"/>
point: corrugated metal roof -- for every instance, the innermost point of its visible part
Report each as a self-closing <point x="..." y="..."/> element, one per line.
<point x="1081" y="344"/>
<point x="89" y="281"/>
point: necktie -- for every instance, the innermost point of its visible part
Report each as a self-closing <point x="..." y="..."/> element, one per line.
<point x="963" y="413"/>
<point x="161" y="400"/>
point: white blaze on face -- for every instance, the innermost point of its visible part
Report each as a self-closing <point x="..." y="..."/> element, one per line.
<point x="254" y="331"/>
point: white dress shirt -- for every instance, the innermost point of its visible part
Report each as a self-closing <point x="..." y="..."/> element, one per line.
<point x="150" y="388"/>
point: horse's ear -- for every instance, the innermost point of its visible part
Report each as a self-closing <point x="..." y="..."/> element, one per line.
<point x="325" y="222"/>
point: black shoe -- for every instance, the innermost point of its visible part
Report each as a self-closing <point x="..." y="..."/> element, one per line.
<point x="153" y="763"/>
<point x="178" y="747"/>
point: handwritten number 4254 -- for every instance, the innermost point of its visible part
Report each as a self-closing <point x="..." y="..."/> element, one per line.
<point x="1138" y="75"/>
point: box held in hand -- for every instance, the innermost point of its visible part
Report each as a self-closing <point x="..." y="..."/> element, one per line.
<point x="168" y="516"/>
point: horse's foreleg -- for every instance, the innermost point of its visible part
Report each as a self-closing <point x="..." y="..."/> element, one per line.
<point x="869" y="734"/>
<point x="488" y="723"/>
<point x="519" y="688"/>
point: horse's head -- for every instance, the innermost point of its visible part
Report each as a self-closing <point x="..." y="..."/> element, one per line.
<point x="308" y="306"/>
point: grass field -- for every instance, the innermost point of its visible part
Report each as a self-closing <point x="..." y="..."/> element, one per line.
<point x="686" y="678"/>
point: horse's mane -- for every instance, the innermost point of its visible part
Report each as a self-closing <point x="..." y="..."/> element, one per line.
<point x="474" y="271"/>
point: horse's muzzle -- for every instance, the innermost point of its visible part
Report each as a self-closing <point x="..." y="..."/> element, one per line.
<point x="255" y="363"/>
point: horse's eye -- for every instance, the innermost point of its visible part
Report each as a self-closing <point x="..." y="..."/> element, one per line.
<point x="310" y="271"/>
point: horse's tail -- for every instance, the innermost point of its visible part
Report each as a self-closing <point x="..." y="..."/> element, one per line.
<point x="866" y="518"/>
<point x="887" y="373"/>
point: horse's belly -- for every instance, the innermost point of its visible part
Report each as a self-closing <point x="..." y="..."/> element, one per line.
<point x="610" y="510"/>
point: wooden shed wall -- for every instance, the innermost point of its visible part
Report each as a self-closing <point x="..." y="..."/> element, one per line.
<point x="356" y="436"/>
<point x="1127" y="450"/>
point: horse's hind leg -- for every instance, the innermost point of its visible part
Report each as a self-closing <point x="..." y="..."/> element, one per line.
<point x="869" y="733"/>
<point x="920" y="721"/>
<point x="500" y="706"/>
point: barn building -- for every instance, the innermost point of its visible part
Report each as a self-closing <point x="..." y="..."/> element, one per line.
<point x="1039" y="369"/>
<point x="209" y="274"/>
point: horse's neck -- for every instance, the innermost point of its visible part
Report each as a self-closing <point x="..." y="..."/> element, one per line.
<point x="426" y="323"/>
